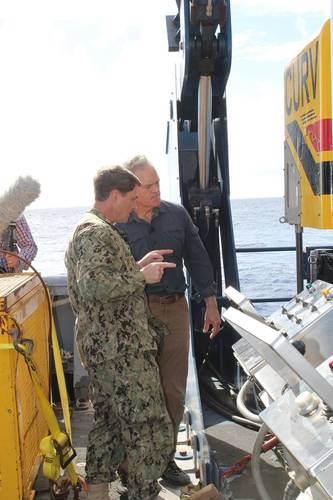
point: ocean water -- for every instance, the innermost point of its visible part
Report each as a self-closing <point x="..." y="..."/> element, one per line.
<point x="256" y="224"/>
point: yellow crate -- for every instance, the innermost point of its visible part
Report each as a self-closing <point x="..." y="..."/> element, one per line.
<point x="22" y="424"/>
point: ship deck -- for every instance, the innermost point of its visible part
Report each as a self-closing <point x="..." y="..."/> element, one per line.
<point x="229" y="441"/>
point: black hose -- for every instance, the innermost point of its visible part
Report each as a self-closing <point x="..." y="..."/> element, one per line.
<point x="206" y="363"/>
<point x="226" y="412"/>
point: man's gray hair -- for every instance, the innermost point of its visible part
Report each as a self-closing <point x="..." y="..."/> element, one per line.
<point x="138" y="161"/>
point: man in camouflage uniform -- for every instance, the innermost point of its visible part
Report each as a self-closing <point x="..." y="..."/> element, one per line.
<point x="117" y="339"/>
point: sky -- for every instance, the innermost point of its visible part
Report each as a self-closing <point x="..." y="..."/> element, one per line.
<point x="86" y="84"/>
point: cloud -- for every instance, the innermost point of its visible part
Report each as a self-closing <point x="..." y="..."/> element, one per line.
<point x="86" y="84"/>
<point x="253" y="46"/>
<point x="273" y="7"/>
<point x="69" y="107"/>
<point x="116" y="13"/>
<point x="270" y="44"/>
<point x="277" y="32"/>
<point x="256" y="136"/>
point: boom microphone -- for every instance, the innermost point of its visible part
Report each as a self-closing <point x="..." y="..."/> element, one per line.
<point x="13" y="202"/>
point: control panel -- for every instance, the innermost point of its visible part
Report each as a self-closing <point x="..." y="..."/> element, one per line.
<point x="299" y="409"/>
<point x="308" y="317"/>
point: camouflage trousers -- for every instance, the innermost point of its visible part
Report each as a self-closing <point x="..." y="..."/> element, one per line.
<point x="131" y="421"/>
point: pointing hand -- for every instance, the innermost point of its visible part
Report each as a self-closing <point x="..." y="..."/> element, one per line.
<point x="153" y="272"/>
<point x="153" y="256"/>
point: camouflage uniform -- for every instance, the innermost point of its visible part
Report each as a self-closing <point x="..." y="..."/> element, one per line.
<point x="117" y="340"/>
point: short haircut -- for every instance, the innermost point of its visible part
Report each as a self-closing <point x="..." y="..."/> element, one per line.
<point x="138" y="161"/>
<point x="115" y="177"/>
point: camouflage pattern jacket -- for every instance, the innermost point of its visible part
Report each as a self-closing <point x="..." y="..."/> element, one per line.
<point x="107" y="294"/>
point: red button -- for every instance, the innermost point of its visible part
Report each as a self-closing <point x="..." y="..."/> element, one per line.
<point x="330" y="364"/>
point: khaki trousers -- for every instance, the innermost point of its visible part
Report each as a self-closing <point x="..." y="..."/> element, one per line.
<point x="173" y="360"/>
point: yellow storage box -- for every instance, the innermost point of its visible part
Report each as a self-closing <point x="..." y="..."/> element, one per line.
<point x="22" y="425"/>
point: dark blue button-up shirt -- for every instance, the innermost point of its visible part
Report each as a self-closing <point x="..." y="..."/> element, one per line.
<point x="172" y="228"/>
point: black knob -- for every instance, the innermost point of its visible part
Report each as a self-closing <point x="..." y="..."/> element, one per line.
<point x="300" y="346"/>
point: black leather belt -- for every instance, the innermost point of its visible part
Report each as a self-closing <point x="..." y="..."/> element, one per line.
<point x="165" y="299"/>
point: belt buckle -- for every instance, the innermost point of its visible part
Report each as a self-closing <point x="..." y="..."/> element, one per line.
<point x="166" y="299"/>
<point x="171" y="299"/>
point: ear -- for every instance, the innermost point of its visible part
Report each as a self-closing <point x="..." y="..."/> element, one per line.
<point x="114" y="195"/>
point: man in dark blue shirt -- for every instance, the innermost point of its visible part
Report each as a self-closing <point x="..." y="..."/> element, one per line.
<point x="160" y="224"/>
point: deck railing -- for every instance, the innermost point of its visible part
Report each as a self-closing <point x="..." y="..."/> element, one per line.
<point x="306" y="255"/>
